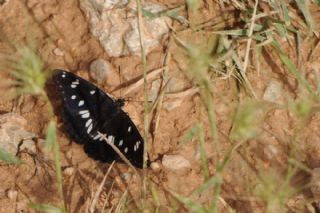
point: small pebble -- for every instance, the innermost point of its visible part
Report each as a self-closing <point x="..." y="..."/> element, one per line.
<point x="12" y="194"/>
<point x="68" y="171"/>
<point x="155" y="166"/>
<point x="175" y="162"/>
<point x="58" y="52"/>
<point x="273" y="92"/>
<point x="100" y="69"/>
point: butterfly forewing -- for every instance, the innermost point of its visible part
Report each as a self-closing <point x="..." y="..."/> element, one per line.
<point x="87" y="110"/>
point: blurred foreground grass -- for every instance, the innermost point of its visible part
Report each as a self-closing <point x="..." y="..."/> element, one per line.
<point x="222" y="52"/>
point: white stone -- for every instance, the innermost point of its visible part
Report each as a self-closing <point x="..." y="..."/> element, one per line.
<point x="175" y="162"/>
<point x="12" y="133"/>
<point x="100" y="69"/>
<point x="155" y="166"/>
<point x="68" y="171"/>
<point x="273" y="92"/>
<point x="58" y="52"/>
<point x="114" y="23"/>
<point x="12" y="194"/>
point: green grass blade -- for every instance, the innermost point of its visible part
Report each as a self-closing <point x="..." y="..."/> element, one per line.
<point x="51" y="143"/>
<point x="291" y="67"/>
<point x="203" y="156"/>
<point x="211" y="182"/>
<point x="45" y="208"/>
<point x="9" y="158"/>
<point x="303" y="7"/>
<point x="189" y="135"/>
<point x="196" y="207"/>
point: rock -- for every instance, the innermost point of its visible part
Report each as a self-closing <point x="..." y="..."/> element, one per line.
<point x="114" y="23"/>
<point x="12" y="133"/>
<point x="155" y="166"/>
<point x="273" y="92"/>
<point x="68" y="171"/>
<point x="12" y="194"/>
<point x="58" y="52"/>
<point x="132" y="39"/>
<point x="172" y="104"/>
<point x="100" y="70"/>
<point x="175" y="162"/>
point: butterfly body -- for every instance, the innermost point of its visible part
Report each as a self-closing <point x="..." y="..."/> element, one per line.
<point x="89" y="112"/>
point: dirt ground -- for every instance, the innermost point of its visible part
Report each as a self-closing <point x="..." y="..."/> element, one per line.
<point x="62" y="24"/>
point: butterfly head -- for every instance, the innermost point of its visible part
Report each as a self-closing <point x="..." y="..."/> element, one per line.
<point x="120" y="102"/>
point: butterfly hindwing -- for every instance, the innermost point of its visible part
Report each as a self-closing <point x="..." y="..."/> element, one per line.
<point x="87" y="110"/>
<point x="126" y="137"/>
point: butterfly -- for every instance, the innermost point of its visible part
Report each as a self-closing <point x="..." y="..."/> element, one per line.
<point x="89" y="114"/>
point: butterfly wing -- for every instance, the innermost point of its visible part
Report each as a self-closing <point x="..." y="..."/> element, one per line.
<point x="82" y="103"/>
<point x="87" y="110"/>
<point x="122" y="132"/>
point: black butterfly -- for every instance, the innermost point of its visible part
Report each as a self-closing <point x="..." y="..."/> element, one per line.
<point x="87" y="110"/>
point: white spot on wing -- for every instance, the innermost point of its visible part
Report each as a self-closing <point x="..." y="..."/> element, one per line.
<point x="81" y="103"/>
<point x="73" y="97"/>
<point x="111" y="139"/>
<point x="89" y="129"/>
<point x="92" y="92"/>
<point x="63" y="75"/>
<point x="83" y="112"/>
<point x="129" y="129"/>
<point x="88" y="122"/>
<point x="96" y="137"/>
<point x="120" y="142"/>
<point x="126" y="150"/>
<point x="86" y="115"/>
<point x="137" y="144"/>
<point x="74" y="84"/>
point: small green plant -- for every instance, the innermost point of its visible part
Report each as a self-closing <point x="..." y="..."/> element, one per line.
<point x="28" y="72"/>
<point x="28" y="77"/>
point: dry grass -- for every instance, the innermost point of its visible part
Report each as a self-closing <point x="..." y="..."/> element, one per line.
<point x="229" y="50"/>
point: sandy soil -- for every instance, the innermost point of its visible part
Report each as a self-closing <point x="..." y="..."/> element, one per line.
<point x="61" y="24"/>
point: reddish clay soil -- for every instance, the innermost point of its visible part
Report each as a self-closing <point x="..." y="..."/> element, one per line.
<point x="62" y="24"/>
